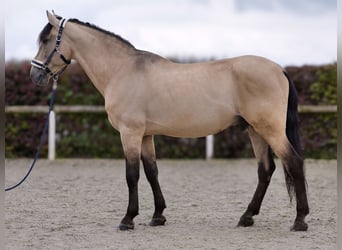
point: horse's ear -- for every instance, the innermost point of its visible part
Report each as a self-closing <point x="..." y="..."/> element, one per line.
<point x="52" y="19"/>
<point x="57" y="16"/>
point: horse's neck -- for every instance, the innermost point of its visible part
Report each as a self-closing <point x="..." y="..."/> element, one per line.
<point x="100" y="55"/>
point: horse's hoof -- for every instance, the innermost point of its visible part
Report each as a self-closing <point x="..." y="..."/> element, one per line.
<point x="246" y="221"/>
<point x="126" y="226"/>
<point x="299" y="226"/>
<point x="158" y="221"/>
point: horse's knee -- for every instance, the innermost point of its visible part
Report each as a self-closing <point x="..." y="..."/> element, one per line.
<point x="132" y="171"/>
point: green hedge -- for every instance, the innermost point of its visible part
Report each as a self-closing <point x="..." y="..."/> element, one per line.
<point x="91" y="136"/>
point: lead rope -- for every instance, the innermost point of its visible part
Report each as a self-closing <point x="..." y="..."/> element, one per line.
<point x="43" y="137"/>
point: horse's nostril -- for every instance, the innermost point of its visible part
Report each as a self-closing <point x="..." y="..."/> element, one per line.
<point x="38" y="76"/>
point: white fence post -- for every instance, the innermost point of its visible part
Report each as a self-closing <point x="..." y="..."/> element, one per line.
<point x="52" y="136"/>
<point x="209" y="147"/>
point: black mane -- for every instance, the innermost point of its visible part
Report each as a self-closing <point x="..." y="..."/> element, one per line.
<point x="89" y="25"/>
<point x="46" y="31"/>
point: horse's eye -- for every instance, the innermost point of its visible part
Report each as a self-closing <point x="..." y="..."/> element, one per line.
<point x="45" y="41"/>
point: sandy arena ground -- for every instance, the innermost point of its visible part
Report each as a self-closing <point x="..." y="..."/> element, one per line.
<point x="78" y="204"/>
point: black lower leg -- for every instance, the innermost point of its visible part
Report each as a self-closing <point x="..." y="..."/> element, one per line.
<point x="302" y="206"/>
<point x="132" y="177"/>
<point x="151" y="171"/>
<point x="264" y="174"/>
<point x="299" y="183"/>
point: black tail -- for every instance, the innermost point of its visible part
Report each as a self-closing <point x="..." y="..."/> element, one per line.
<point x="292" y="127"/>
<point x="292" y="131"/>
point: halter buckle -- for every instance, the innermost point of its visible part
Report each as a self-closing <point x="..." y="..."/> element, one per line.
<point x="55" y="81"/>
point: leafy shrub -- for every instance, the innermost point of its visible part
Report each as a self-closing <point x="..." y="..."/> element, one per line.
<point x="322" y="90"/>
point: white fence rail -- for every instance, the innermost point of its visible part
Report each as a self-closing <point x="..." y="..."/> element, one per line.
<point x="100" y="109"/>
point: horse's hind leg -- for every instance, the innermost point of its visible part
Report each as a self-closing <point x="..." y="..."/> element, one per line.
<point x="294" y="177"/>
<point x="148" y="157"/>
<point x="296" y="182"/>
<point x="266" y="168"/>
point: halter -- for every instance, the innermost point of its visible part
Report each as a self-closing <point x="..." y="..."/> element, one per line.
<point x="44" y="66"/>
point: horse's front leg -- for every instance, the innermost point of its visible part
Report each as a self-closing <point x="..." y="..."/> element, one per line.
<point x="131" y="141"/>
<point x="148" y="157"/>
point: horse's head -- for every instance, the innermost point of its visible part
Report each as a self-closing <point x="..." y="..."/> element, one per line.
<point x="53" y="53"/>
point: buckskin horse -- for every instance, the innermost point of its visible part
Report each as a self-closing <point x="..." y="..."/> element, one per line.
<point x="146" y="95"/>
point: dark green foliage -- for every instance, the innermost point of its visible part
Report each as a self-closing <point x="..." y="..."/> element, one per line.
<point x="232" y="143"/>
<point x="323" y="92"/>
<point x="87" y="136"/>
<point x="91" y="136"/>
<point x="319" y="135"/>
<point x="22" y="134"/>
<point x="19" y="88"/>
<point x="169" y="147"/>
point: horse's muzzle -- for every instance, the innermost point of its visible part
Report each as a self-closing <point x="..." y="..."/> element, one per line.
<point x="39" y="76"/>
